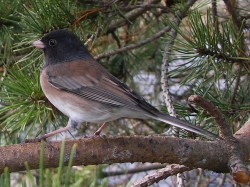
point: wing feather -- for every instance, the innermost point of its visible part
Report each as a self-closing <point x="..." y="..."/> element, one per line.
<point x="91" y="81"/>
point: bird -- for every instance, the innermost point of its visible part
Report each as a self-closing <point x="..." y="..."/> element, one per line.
<point x="82" y="89"/>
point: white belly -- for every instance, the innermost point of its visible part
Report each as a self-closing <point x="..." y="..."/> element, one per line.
<point x="80" y="113"/>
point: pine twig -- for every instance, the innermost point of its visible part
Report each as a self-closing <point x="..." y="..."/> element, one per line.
<point x="133" y="46"/>
<point x="133" y="14"/>
<point x="148" y="6"/>
<point x="164" y="73"/>
<point x="133" y="170"/>
<point x="164" y="76"/>
<point x="160" y="175"/>
<point x="214" y="10"/>
<point x="93" y="36"/>
<point x="224" y="128"/>
<point x="236" y="83"/>
<point x="232" y="11"/>
<point x="238" y="168"/>
<point x="237" y="22"/>
<point x="166" y="57"/>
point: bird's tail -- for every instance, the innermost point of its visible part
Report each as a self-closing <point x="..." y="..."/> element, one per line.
<point x="184" y="125"/>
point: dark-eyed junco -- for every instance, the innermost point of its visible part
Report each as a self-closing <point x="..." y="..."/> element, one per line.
<point x="76" y="84"/>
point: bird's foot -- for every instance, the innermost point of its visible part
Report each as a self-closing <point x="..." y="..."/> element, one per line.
<point x="98" y="132"/>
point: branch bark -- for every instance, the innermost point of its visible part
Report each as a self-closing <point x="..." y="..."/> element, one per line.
<point x="192" y="153"/>
<point x="211" y="155"/>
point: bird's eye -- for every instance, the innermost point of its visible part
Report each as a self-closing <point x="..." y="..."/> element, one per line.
<point x="52" y="42"/>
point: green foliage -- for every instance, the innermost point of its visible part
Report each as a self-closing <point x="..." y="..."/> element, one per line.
<point x="9" y="24"/>
<point x="205" y="53"/>
<point x="22" y="100"/>
<point x="46" y="15"/>
<point x="5" y="178"/>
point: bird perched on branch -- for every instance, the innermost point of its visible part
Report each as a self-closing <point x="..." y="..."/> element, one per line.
<point x="76" y="84"/>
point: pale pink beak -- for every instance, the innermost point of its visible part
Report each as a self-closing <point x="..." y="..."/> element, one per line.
<point x="38" y="44"/>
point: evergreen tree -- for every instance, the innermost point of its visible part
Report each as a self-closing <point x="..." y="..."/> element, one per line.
<point x="166" y="50"/>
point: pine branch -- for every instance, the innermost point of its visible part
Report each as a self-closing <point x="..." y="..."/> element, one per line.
<point x="191" y="153"/>
<point x="160" y="175"/>
<point x="130" y="16"/>
<point x="232" y="11"/>
<point x="120" y="150"/>
<point x="134" y="46"/>
<point x="166" y="57"/>
<point x="218" y="55"/>
<point x="236" y="163"/>
<point x="133" y="170"/>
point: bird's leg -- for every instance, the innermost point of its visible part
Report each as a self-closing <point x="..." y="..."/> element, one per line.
<point x="71" y="124"/>
<point x="98" y="132"/>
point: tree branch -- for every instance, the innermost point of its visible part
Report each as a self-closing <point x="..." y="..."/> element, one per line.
<point x="231" y="10"/>
<point x="133" y="46"/>
<point x="237" y="165"/>
<point x="225" y="130"/>
<point x="192" y="153"/>
<point x="166" y="56"/>
<point x="133" y="14"/>
<point x="166" y="94"/>
<point x="133" y="170"/>
<point x="209" y="155"/>
<point x="157" y="35"/>
<point x="160" y="175"/>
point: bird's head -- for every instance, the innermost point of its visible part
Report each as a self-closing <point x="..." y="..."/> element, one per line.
<point x="61" y="46"/>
